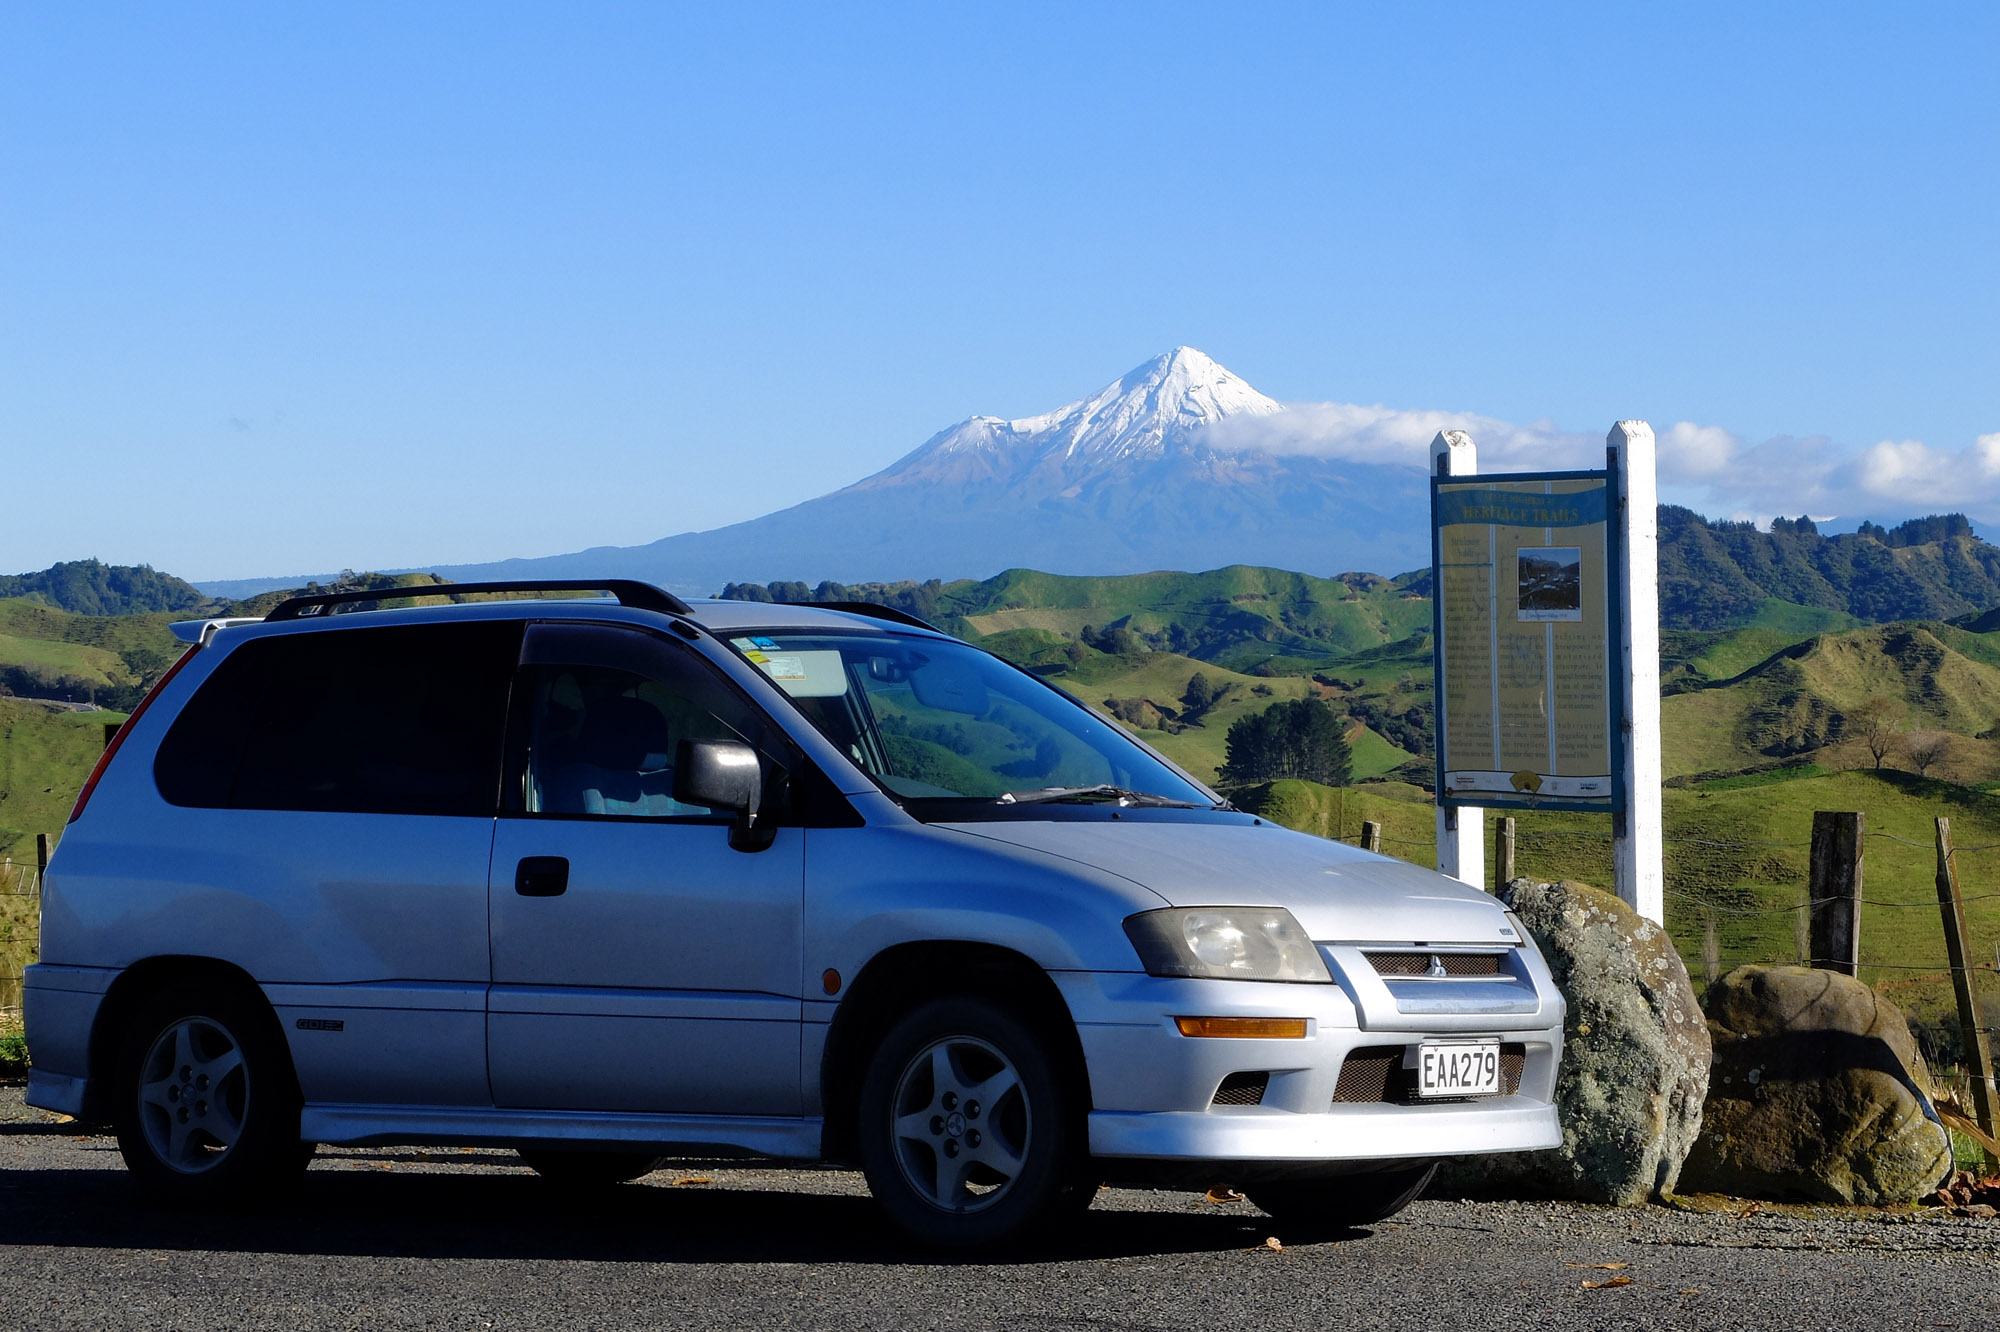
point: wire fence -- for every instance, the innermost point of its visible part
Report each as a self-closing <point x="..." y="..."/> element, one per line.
<point x="1742" y="894"/>
<point x="20" y="909"/>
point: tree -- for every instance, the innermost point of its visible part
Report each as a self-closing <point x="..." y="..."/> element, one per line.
<point x="1927" y="749"/>
<point x="1201" y="695"/>
<point x="1878" y="725"/>
<point x="1300" y="738"/>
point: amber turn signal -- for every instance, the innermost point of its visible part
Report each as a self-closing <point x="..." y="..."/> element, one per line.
<point x="1264" y="1028"/>
<point x="830" y="981"/>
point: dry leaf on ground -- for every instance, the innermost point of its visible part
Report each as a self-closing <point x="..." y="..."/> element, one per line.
<point x="1219" y="1194"/>
<point x="686" y="1180"/>
<point x="1599" y="1267"/>
<point x="1608" y="1283"/>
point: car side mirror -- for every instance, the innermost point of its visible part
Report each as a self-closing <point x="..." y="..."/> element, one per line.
<point x="724" y="774"/>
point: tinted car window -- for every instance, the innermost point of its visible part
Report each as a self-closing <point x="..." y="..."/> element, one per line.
<point x="394" y="720"/>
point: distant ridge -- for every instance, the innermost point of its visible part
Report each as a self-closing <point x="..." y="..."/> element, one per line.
<point x="91" y="587"/>
<point x="1714" y="575"/>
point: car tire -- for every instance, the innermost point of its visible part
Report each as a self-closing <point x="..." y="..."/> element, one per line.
<point x="969" y="1133"/>
<point x="1342" y="1202"/>
<point x="585" y="1169"/>
<point x="206" y="1106"/>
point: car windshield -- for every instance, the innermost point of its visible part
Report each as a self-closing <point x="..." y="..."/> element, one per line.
<point x="934" y="720"/>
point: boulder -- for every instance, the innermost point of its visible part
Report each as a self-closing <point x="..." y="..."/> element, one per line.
<point x="1818" y="1092"/>
<point x="1635" y="1055"/>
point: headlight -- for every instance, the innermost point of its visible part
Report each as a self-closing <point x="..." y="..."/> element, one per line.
<point x="1226" y="943"/>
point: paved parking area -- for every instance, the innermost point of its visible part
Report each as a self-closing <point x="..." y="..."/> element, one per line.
<point x="450" y="1239"/>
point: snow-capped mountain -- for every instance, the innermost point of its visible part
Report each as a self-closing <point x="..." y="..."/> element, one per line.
<point x="1160" y="408"/>
<point x="1130" y="479"/>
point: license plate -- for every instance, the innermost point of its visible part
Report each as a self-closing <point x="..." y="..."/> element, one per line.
<point x="1458" y="1068"/>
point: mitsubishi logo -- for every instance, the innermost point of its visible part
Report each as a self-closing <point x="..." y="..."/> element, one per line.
<point x="954" y="1124"/>
<point x="1437" y="967"/>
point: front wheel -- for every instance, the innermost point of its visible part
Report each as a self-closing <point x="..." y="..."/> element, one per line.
<point x="969" y="1135"/>
<point x="1343" y="1201"/>
<point x="208" y="1106"/>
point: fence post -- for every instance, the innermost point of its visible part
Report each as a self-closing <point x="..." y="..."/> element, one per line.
<point x="1503" y="853"/>
<point x="1978" y="1052"/>
<point x="1834" y="939"/>
<point x="1371" y="836"/>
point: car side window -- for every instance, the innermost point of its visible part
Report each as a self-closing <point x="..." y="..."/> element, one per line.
<point x="404" y="719"/>
<point x="604" y="713"/>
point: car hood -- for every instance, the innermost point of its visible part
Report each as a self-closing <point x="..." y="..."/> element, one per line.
<point x="1339" y="893"/>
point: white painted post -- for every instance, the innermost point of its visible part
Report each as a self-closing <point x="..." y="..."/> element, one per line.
<point x="1637" y="851"/>
<point x="1461" y="833"/>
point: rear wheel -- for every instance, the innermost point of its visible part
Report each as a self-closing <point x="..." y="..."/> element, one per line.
<point x="207" y="1107"/>
<point x="586" y="1169"/>
<point x="968" y="1133"/>
<point x="1343" y="1201"/>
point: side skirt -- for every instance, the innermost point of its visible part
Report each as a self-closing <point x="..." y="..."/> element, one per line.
<point x="382" y="1125"/>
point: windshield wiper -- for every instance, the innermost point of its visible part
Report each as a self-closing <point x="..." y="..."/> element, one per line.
<point x="1102" y="792"/>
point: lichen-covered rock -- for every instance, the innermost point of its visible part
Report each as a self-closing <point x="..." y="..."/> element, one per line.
<point x="1818" y="1092"/>
<point x="1635" y="1055"/>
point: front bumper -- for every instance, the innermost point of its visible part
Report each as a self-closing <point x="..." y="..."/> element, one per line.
<point x="1343" y="1133"/>
<point x="1153" y="1091"/>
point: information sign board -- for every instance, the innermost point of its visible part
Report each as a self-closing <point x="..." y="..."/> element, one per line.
<point x="1525" y="599"/>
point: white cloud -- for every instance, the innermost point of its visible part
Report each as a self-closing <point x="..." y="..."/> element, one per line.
<point x="1381" y="434"/>
<point x="1705" y="467"/>
<point x="1690" y="452"/>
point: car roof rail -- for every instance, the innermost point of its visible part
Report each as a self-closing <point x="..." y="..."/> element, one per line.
<point x="873" y="610"/>
<point x="627" y="591"/>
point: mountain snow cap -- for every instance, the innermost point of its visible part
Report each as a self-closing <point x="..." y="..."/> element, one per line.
<point x="1159" y="404"/>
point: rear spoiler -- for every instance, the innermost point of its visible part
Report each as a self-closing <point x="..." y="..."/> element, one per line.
<point x="198" y="632"/>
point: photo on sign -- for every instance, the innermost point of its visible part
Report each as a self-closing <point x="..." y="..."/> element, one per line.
<point x="1551" y="583"/>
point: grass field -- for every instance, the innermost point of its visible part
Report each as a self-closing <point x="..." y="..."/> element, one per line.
<point x="59" y="658"/>
<point x="45" y="753"/>
<point x="1163" y="677"/>
<point x="111" y="633"/>
<point x="1242" y="613"/>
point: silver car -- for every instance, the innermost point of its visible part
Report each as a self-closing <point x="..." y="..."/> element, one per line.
<point x="605" y="878"/>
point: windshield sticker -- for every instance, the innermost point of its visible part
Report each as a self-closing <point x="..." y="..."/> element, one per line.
<point x="807" y="674"/>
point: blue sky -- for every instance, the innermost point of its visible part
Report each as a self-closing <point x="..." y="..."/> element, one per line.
<point x="291" y="288"/>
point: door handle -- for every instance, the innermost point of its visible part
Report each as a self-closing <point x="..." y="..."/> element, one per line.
<point x="542" y="876"/>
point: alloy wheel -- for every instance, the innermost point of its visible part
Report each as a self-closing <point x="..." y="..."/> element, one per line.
<point x="194" y="1095"/>
<point x="962" y="1124"/>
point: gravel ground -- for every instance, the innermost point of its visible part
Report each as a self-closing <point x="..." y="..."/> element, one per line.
<point x="451" y="1239"/>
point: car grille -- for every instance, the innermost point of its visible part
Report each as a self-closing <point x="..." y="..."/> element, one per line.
<point x="1242" y="1089"/>
<point x="1374" y="1074"/>
<point x="1455" y="964"/>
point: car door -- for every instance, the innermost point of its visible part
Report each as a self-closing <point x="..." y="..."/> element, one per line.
<point x="640" y="963"/>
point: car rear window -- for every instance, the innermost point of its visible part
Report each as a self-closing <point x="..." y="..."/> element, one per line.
<point x="404" y="719"/>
